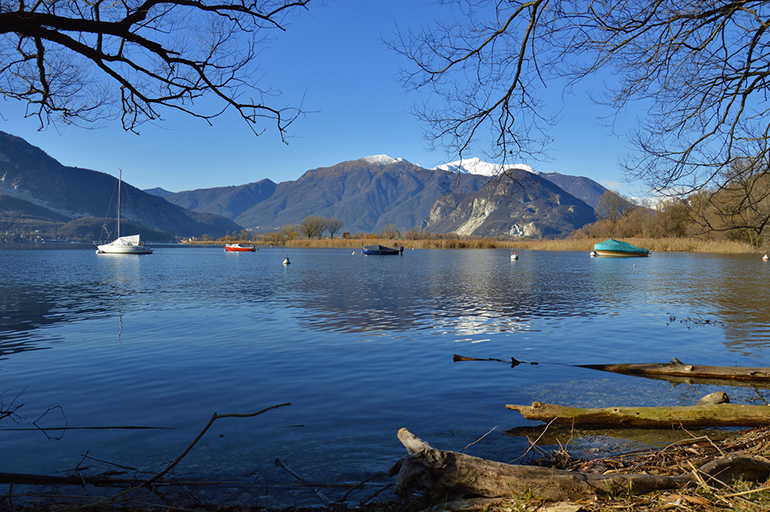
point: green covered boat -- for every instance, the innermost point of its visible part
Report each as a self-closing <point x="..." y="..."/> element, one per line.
<point x="614" y="247"/>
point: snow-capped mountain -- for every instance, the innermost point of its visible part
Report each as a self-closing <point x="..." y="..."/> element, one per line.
<point x="367" y="194"/>
<point x="479" y="167"/>
<point x="381" y="159"/>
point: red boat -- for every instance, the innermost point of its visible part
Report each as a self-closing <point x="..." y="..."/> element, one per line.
<point x="239" y="248"/>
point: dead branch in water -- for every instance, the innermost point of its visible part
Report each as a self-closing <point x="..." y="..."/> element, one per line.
<point x="136" y="485"/>
<point x="675" y="371"/>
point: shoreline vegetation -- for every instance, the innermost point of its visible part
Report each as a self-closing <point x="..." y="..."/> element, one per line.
<point x="695" y="245"/>
<point x="742" y="488"/>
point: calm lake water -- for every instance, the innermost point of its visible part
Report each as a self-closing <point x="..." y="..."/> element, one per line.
<point x="360" y="345"/>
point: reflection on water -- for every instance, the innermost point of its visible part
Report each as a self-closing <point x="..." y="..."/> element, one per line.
<point x="442" y="292"/>
<point x="361" y="346"/>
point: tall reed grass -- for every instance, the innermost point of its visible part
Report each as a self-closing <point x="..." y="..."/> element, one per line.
<point x="653" y="244"/>
<point x="582" y="244"/>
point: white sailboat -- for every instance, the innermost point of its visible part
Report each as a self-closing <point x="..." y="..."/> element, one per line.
<point x="123" y="244"/>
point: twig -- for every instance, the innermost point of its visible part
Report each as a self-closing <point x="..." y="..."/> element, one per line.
<point x="532" y="444"/>
<point x="10" y="409"/>
<point x="214" y="418"/>
<point x="374" y="495"/>
<point x="360" y="484"/>
<point x="280" y="464"/>
<point x="743" y="493"/>
<point x="86" y="456"/>
<point x="114" y="427"/>
<point x="479" y="439"/>
<point x="697" y="474"/>
<point x="176" y="461"/>
<point x="43" y="430"/>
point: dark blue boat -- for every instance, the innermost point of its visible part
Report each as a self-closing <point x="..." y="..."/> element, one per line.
<point x="381" y="250"/>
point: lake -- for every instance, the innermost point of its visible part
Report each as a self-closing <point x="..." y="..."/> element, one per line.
<point x="359" y="345"/>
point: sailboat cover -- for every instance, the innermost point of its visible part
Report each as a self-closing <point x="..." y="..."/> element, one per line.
<point x="125" y="245"/>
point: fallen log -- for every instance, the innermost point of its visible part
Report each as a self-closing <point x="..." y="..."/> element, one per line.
<point x="441" y="474"/>
<point x="676" y="368"/>
<point x="675" y="371"/>
<point x="692" y="416"/>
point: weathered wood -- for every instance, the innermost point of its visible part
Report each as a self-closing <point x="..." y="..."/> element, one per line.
<point x="676" y="368"/>
<point x="712" y="415"/>
<point x="675" y="371"/>
<point x="440" y="474"/>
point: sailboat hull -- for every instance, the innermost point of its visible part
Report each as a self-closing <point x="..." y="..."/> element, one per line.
<point x="112" y="249"/>
<point x="124" y="245"/>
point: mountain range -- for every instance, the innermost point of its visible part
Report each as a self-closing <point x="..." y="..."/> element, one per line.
<point x="372" y="192"/>
<point x="39" y="193"/>
<point x="469" y="197"/>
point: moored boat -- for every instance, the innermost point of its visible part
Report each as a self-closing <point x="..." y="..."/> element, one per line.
<point x="614" y="247"/>
<point x="239" y="248"/>
<point x="132" y="244"/>
<point x="381" y="250"/>
<point x="124" y="245"/>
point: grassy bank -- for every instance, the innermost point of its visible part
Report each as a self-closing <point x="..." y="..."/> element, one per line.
<point x="653" y="244"/>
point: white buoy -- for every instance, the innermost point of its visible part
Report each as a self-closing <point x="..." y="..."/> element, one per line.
<point x="592" y="253"/>
<point x="514" y="256"/>
<point x="286" y="261"/>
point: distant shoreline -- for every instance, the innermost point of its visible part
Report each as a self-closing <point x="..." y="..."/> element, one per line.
<point x="653" y="244"/>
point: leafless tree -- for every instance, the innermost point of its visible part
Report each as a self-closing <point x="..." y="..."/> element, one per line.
<point x="333" y="225"/>
<point x="741" y="205"/>
<point x="390" y="231"/>
<point x="700" y="69"/>
<point x="84" y="62"/>
<point x="313" y="226"/>
<point x="611" y="206"/>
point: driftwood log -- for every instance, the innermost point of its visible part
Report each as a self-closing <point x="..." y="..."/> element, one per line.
<point x="694" y="416"/>
<point x="675" y="371"/>
<point x="676" y="368"/>
<point x="441" y="474"/>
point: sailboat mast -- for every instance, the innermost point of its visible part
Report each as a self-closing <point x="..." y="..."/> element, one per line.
<point x="120" y="178"/>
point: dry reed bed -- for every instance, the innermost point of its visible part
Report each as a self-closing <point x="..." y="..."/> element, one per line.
<point x="586" y="244"/>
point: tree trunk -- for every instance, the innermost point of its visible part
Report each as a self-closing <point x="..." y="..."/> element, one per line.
<point x="714" y="415"/>
<point x="442" y="474"/>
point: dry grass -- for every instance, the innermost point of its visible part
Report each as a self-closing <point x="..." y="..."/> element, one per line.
<point x="586" y="244"/>
<point x="653" y="244"/>
<point x="438" y="243"/>
<point x="677" y="458"/>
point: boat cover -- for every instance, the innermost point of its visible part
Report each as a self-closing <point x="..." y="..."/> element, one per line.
<point x="619" y="246"/>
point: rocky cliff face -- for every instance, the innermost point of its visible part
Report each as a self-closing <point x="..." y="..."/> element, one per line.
<point x="517" y="204"/>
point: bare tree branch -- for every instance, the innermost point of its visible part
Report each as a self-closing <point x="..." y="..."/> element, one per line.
<point x="81" y="62"/>
<point x="701" y="70"/>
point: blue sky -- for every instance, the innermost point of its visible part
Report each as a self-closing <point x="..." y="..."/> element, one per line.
<point x="334" y="57"/>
